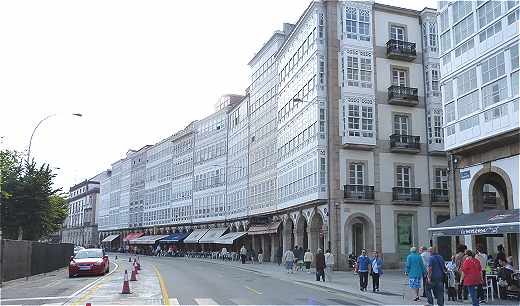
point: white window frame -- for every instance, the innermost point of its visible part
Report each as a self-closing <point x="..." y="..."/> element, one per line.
<point x="398" y="32"/>
<point x="403" y="176"/>
<point x="463" y="29"/>
<point x="356" y="173"/>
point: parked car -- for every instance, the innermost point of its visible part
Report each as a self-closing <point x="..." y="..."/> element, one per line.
<point x="89" y="262"/>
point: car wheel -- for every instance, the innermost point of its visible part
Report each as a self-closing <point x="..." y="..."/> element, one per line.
<point x="71" y="275"/>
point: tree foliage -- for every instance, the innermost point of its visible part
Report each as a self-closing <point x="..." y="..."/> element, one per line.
<point x="30" y="204"/>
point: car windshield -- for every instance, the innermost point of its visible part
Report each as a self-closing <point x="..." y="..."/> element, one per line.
<point x="89" y="254"/>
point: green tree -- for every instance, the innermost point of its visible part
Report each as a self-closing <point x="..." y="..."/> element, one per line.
<point x="31" y="207"/>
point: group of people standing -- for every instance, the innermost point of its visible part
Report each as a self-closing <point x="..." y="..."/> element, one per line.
<point x="323" y="262"/>
<point x="464" y="274"/>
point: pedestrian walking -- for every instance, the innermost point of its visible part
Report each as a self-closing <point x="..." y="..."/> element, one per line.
<point x="299" y="256"/>
<point x="362" y="269"/>
<point x="425" y="256"/>
<point x="471" y="276"/>
<point x="329" y="265"/>
<point x="451" y="268"/>
<point x="288" y="259"/>
<point x="307" y="259"/>
<point x="320" y="265"/>
<point x="482" y="258"/>
<point x="415" y="270"/>
<point x="376" y="270"/>
<point x="260" y="256"/>
<point x="435" y="282"/>
<point x="279" y="255"/>
<point x="462" y="291"/>
<point x="243" y="254"/>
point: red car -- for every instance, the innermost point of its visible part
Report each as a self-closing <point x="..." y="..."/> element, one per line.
<point x="89" y="262"/>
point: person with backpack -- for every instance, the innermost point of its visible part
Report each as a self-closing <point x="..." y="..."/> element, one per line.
<point x="435" y="278"/>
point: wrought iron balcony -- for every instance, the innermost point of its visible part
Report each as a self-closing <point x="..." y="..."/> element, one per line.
<point x="439" y="196"/>
<point x="405" y="143"/>
<point x="406" y="194"/>
<point x="400" y="49"/>
<point x="359" y="192"/>
<point x="401" y="95"/>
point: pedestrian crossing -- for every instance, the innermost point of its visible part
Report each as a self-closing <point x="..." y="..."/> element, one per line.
<point x="245" y="301"/>
<point x="198" y="301"/>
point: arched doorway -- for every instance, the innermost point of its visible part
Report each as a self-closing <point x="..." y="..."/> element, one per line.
<point x="302" y="239"/>
<point x="491" y="189"/>
<point x="358" y="241"/>
<point x="317" y="239"/>
<point x="489" y="192"/>
<point x="359" y="234"/>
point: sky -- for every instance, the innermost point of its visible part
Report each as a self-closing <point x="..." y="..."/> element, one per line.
<point x="138" y="71"/>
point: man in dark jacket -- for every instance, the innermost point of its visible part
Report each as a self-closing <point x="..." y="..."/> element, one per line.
<point x="435" y="279"/>
<point x="320" y="266"/>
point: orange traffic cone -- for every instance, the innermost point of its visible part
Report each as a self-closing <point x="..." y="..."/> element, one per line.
<point x="133" y="277"/>
<point x="135" y="268"/>
<point x="126" y="285"/>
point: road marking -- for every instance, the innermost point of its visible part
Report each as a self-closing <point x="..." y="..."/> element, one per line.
<point x="86" y="287"/>
<point x="36" y="298"/>
<point x="205" y="302"/>
<point x="174" y="301"/>
<point x="88" y="295"/>
<point x="90" y="287"/>
<point x="253" y="290"/>
<point x="164" y="291"/>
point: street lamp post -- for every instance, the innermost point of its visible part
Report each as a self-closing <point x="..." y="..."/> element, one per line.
<point x="36" y="127"/>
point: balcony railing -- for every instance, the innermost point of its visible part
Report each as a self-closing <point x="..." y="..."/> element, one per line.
<point x="439" y="195"/>
<point x="399" y="49"/>
<point x="406" y="194"/>
<point x="401" y="95"/>
<point x="358" y="192"/>
<point x="405" y="143"/>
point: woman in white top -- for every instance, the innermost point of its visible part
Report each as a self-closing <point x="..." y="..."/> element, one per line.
<point x="307" y="259"/>
<point x="329" y="264"/>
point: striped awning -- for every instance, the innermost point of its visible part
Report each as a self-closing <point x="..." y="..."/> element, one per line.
<point x="110" y="238"/>
<point x="260" y="229"/>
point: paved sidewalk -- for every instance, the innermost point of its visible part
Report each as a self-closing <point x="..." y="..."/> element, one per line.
<point x="145" y="291"/>
<point x="393" y="285"/>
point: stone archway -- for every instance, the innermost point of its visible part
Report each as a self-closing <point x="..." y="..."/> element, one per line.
<point x="315" y="233"/>
<point x="491" y="188"/>
<point x="302" y="238"/>
<point x="480" y="198"/>
<point x="359" y="234"/>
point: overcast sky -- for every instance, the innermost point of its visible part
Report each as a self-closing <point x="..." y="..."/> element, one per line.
<point x="137" y="70"/>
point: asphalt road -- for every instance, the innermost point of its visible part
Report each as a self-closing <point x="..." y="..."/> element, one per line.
<point x="49" y="288"/>
<point x="194" y="282"/>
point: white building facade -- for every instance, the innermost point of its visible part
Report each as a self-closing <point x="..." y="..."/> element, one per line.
<point x="341" y="125"/>
<point x="479" y="80"/>
<point x="80" y="226"/>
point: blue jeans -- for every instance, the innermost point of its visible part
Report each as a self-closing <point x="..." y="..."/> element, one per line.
<point x="437" y="286"/>
<point x="474" y="296"/>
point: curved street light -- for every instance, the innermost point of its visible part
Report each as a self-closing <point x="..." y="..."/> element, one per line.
<point x="36" y="127"/>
